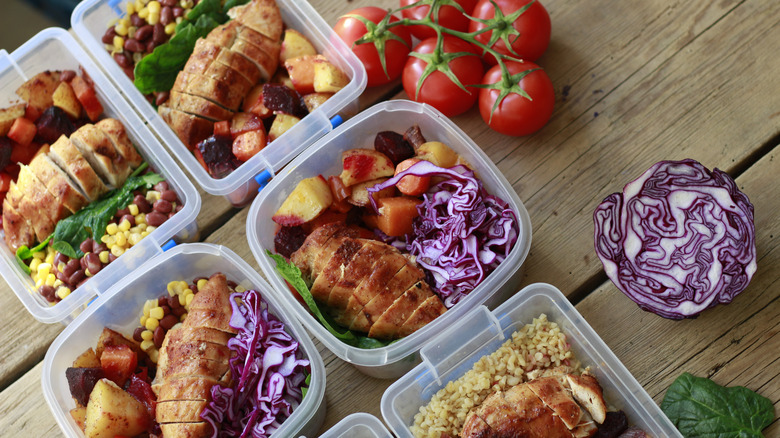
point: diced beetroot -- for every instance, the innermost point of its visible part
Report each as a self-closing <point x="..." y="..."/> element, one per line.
<point x="5" y="181"/>
<point x="81" y="381"/>
<point x="394" y="146"/>
<point x="217" y="153"/>
<point x="6" y="149"/>
<point x="288" y="240"/>
<point x="52" y="124"/>
<point x="142" y="391"/>
<point x="279" y="98"/>
<point x="118" y="362"/>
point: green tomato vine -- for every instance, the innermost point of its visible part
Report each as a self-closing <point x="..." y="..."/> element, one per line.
<point x="501" y="26"/>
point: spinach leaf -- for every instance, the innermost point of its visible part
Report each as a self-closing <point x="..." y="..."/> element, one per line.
<point x="91" y="221"/>
<point x="24" y="253"/>
<point x="292" y="274"/>
<point x="233" y="3"/>
<point x="700" y="407"/>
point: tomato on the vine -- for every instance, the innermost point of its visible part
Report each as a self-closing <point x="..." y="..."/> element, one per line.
<point x="531" y="34"/>
<point x="437" y="89"/>
<point x="517" y="114"/>
<point x="350" y="29"/>
<point x="449" y="16"/>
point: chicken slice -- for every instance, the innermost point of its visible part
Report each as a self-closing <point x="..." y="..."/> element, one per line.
<point x="199" y="107"/>
<point x="100" y="153"/>
<point x="180" y="411"/>
<point x="426" y="312"/>
<point x="475" y="427"/>
<point x="389" y="324"/>
<point x="190" y="129"/>
<point x="554" y="395"/>
<point x="29" y="209"/>
<point x="222" y="73"/>
<point x="186" y="388"/>
<point x="222" y="93"/>
<point x="186" y="430"/>
<point x="32" y="188"/>
<point x="336" y="269"/>
<point x="357" y="272"/>
<point x="405" y="278"/>
<point x="587" y="391"/>
<point x="262" y="16"/>
<point x="117" y="133"/>
<point x="58" y="183"/>
<point x="67" y="157"/>
<point x="540" y="420"/>
<point x="308" y="258"/>
<point x="18" y="229"/>
<point x="256" y="48"/>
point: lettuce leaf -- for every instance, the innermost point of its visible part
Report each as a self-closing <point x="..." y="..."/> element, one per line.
<point x="699" y="407"/>
<point x="24" y="253"/>
<point x="292" y="274"/>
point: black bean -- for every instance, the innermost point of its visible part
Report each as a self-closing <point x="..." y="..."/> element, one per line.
<point x="144" y="32"/>
<point x="155" y="219"/>
<point x="161" y="186"/>
<point x="137" y="21"/>
<point x="71" y="268"/>
<point x="169" y="320"/>
<point x="108" y="37"/>
<point x="93" y="263"/>
<point x="77" y="277"/>
<point x="86" y="246"/>
<point x="137" y="334"/>
<point x="142" y="203"/>
<point x="169" y="195"/>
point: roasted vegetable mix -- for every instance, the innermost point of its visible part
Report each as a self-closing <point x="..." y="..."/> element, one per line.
<point x="403" y="233"/>
<point x="226" y="367"/>
<point x="78" y="194"/>
<point x="230" y="80"/>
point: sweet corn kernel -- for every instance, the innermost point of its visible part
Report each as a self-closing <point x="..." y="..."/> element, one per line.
<point x="131" y="31"/>
<point x="179" y="19"/>
<point x="42" y="268"/>
<point x="186" y="3"/>
<point x="153" y="355"/>
<point x="104" y="238"/>
<point x="154" y="6"/>
<point x="240" y="289"/>
<point x="39" y="283"/>
<point x="151" y="323"/>
<point x="182" y="299"/>
<point x="58" y="283"/>
<point x="109" y="241"/>
<point x="153" y="18"/>
<point x="117" y="250"/>
<point x="188" y="291"/>
<point x="40" y="255"/>
<point x="152" y="195"/>
<point x="49" y="258"/>
<point x="147" y="345"/>
<point x="34" y="263"/>
<point x="202" y="283"/>
<point x="125" y="21"/>
<point x="146" y="232"/>
<point x="87" y="273"/>
<point x="130" y="8"/>
<point x="170" y="28"/>
<point x="50" y="279"/>
<point x="142" y="227"/>
<point x="134" y="238"/>
<point x="103" y="256"/>
<point x="143" y="319"/>
<point x="140" y="219"/>
<point x="121" y="240"/>
<point x="183" y="317"/>
<point x="188" y="300"/>
<point x="143" y="13"/>
<point x="147" y="335"/>
<point x="157" y="312"/>
<point x="138" y="5"/>
<point x="132" y="209"/>
<point x="63" y="292"/>
<point x="137" y="57"/>
<point x="120" y="29"/>
<point x="112" y="228"/>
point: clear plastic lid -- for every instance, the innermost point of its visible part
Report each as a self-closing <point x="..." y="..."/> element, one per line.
<point x="90" y="20"/>
<point x="120" y="307"/>
<point x="454" y="351"/>
<point x="324" y="158"/>
<point x="56" y="49"/>
<point x="357" y="425"/>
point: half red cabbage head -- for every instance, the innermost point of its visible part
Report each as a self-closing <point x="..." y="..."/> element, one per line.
<point x="267" y="373"/>
<point x="678" y="240"/>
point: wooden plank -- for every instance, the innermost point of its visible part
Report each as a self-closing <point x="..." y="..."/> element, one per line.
<point x="23" y="411"/>
<point x="735" y="344"/>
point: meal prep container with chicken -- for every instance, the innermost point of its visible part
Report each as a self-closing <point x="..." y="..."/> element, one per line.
<point x="90" y="20"/>
<point x="56" y="49"/>
<point x="324" y="157"/>
<point x="454" y="351"/>
<point x="358" y="425"/>
<point x="120" y="307"/>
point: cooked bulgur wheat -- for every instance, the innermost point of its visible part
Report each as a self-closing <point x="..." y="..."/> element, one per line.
<point x="539" y="345"/>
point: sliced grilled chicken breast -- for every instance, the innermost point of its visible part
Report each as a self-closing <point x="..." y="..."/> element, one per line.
<point x="349" y="273"/>
<point x="117" y="133"/>
<point x="222" y="93"/>
<point x="18" y="229"/>
<point x="100" y="153"/>
<point x="42" y="225"/>
<point x="34" y="189"/>
<point x="68" y="158"/>
<point x="261" y="50"/>
<point x="199" y="107"/>
<point x="206" y="52"/>
<point x="262" y="16"/>
<point x="193" y="358"/>
<point x="189" y="128"/>
<point x="220" y="72"/>
<point x="58" y="183"/>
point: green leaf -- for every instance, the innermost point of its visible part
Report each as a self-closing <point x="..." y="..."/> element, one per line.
<point x="91" y="221"/>
<point x="24" y="253"/>
<point x="158" y="70"/>
<point x="700" y="407"/>
<point x="292" y="274"/>
<point x="229" y="4"/>
<point x="306" y="382"/>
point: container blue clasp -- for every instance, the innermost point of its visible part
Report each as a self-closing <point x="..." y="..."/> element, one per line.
<point x="262" y="178"/>
<point x="168" y="245"/>
<point x="336" y="120"/>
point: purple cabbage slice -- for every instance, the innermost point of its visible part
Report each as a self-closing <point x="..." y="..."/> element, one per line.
<point x="463" y="233"/>
<point x="678" y="240"/>
<point x="267" y="373"/>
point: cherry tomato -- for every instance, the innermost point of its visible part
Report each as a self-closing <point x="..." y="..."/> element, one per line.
<point x="449" y="17"/>
<point x="533" y="24"/>
<point x="437" y="89"/>
<point x="515" y="114"/>
<point x="351" y="29"/>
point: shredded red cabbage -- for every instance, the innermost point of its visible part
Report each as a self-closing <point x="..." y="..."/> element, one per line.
<point x="677" y="240"/>
<point x="463" y="233"/>
<point x="266" y="370"/>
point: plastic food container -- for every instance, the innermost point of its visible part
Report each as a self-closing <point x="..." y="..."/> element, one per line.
<point x="120" y="307"/>
<point x="56" y="49"/>
<point x="358" y="425"/>
<point x="324" y="158"/>
<point x="90" y="20"/>
<point x="454" y="351"/>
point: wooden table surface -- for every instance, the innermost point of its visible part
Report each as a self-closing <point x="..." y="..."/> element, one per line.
<point x="637" y="81"/>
